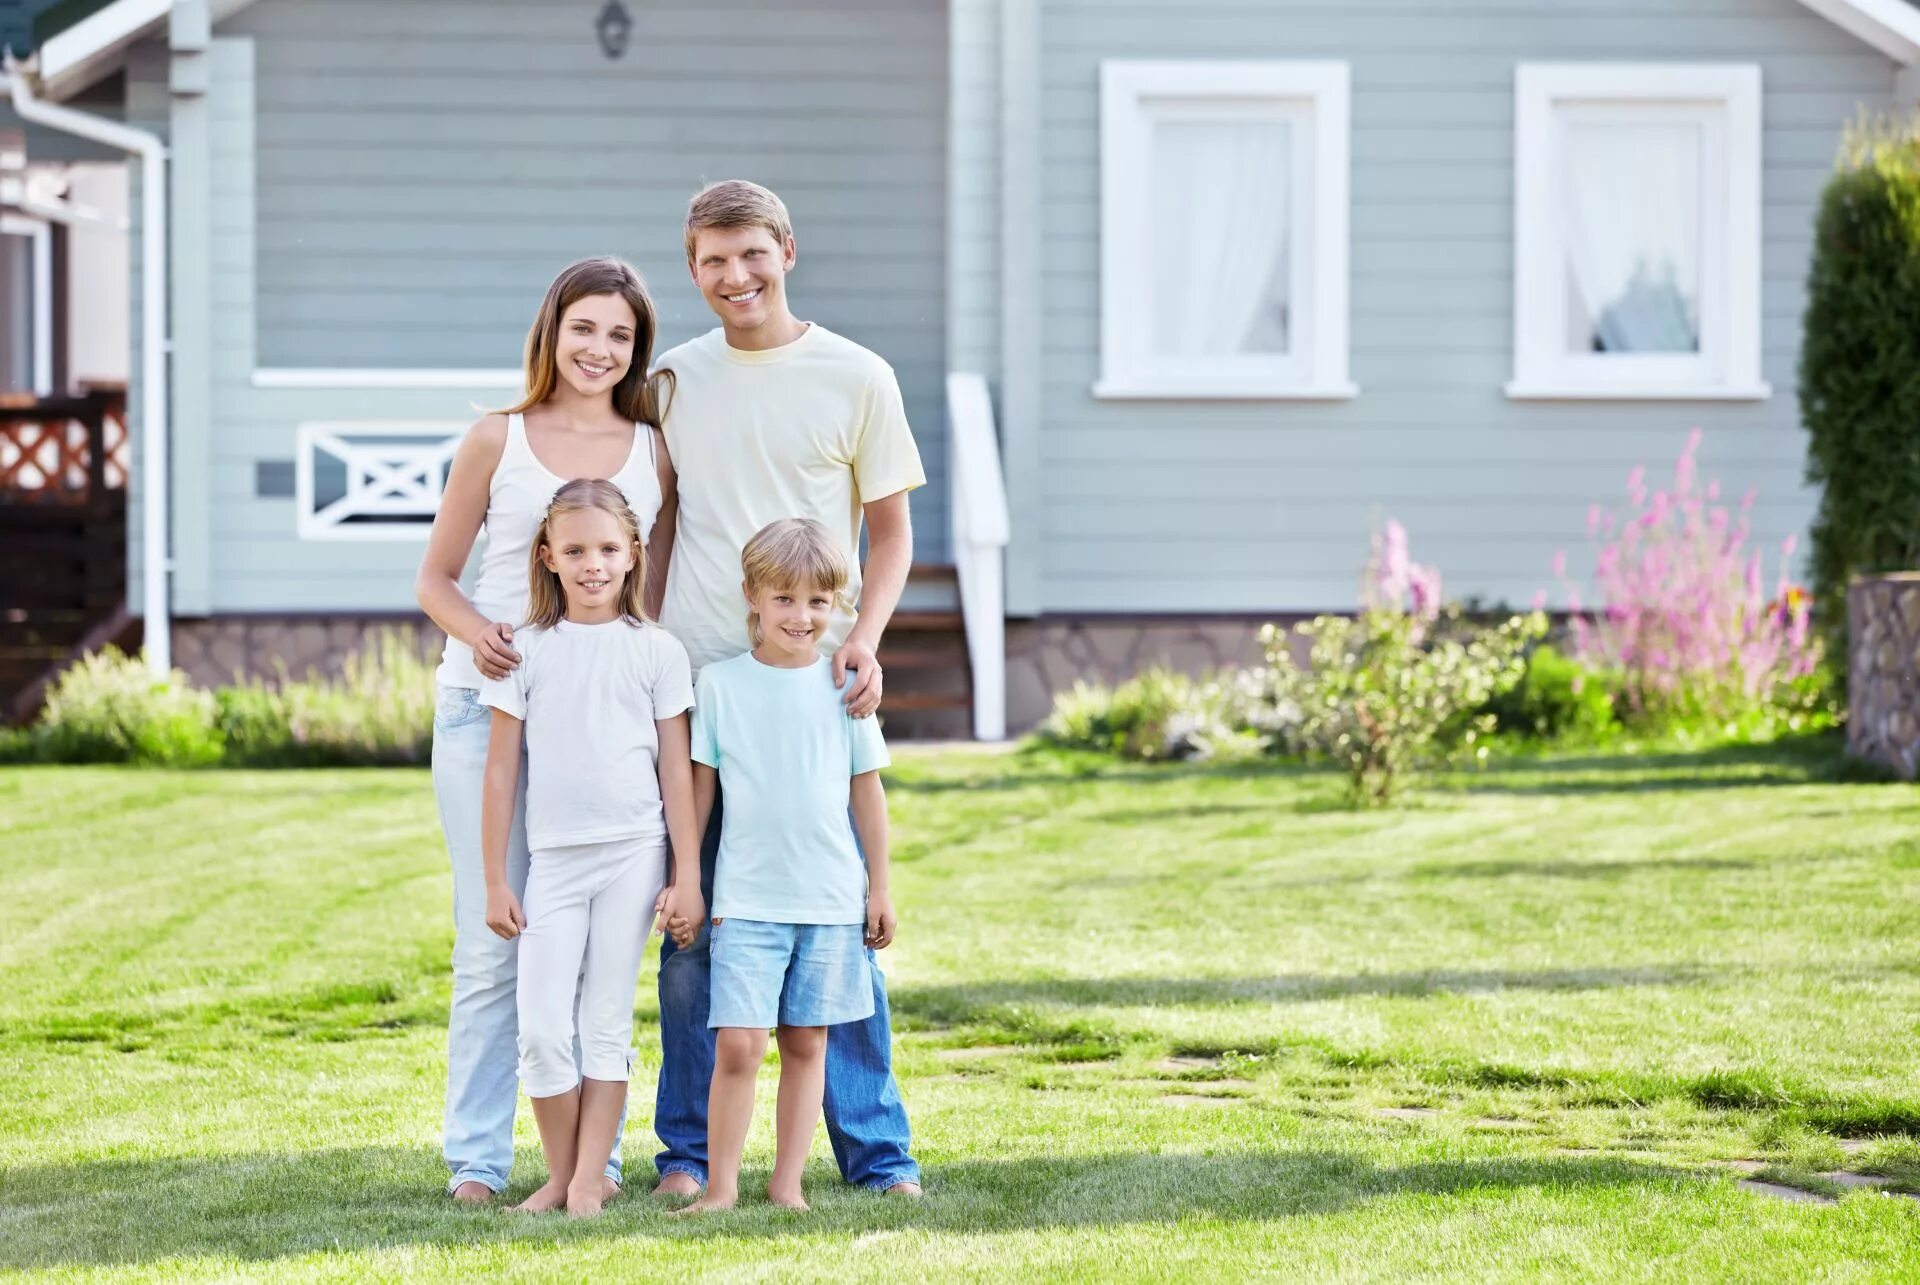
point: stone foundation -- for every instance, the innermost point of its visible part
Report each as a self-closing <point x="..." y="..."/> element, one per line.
<point x="1048" y="654"/>
<point x="1883" y="671"/>
<point x="213" y="651"/>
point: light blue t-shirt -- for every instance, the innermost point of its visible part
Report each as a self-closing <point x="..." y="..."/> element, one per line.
<point x="787" y="752"/>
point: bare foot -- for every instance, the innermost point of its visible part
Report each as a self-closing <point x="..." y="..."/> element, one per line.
<point x="609" y="1190"/>
<point x="905" y="1190"/>
<point x="473" y="1193"/>
<point x="707" y="1204"/>
<point x="544" y="1201"/>
<point x="679" y="1184"/>
<point x="586" y="1202"/>
<point x="788" y="1199"/>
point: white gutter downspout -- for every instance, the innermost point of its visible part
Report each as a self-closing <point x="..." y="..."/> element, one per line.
<point x="157" y="632"/>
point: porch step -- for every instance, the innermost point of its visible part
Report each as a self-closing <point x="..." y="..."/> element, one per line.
<point x="929" y="692"/>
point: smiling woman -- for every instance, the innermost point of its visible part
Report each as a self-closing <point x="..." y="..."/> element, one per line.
<point x="590" y="410"/>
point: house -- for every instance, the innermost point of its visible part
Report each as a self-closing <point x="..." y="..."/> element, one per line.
<point x="1240" y="278"/>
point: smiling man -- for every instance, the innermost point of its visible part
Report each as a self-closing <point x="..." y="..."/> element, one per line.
<point x="772" y="417"/>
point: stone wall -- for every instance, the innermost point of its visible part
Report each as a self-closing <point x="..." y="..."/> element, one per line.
<point x="1048" y="654"/>
<point x="212" y="651"/>
<point x="1883" y="671"/>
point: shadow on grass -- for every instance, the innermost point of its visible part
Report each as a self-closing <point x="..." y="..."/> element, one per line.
<point x="1562" y="868"/>
<point x="261" y="1208"/>
<point x="996" y="1001"/>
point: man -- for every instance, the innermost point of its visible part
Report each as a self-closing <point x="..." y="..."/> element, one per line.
<point x="771" y="417"/>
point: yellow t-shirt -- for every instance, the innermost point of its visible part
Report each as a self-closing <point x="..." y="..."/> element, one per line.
<point x="813" y="429"/>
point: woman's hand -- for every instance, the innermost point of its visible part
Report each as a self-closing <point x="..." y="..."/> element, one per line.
<point x="493" y="653"/>
<point x="504" y="915"/>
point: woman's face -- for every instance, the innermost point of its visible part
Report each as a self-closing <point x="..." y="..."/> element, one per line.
<point x="595" y="346"/>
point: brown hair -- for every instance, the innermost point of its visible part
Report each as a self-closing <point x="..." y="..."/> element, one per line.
<point x="792" y="553"/>
<point x="641" y="395"/>
<point x="546" y="600"/>
<point x="736" y="203"/>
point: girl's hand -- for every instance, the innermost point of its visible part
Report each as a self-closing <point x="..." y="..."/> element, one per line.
<point x="504" y="915"/>
<point x="880" y="920"/>
<point x="678" y="913"/>
<point x="493" y="653"/>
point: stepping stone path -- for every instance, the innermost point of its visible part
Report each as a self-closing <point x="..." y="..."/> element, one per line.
<point x="1500" y="1122"/>
<point x="1779" y="1192"/>
<point x="1858" y="1179"/>
<point x="1406" y="1113"/>
<point x="1182" y="1062"/>
<point x="1200" y="1100"/>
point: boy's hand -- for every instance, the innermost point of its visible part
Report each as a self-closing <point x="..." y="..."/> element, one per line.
<point x="880" y="920"/>
<point x="678" y="913"/>
<point x="504" y="915"/>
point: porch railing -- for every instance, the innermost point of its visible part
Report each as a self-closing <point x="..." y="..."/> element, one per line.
<point x="977" y="504"/>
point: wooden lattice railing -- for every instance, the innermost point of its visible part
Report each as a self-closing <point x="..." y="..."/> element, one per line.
<point x="63" y="450"/>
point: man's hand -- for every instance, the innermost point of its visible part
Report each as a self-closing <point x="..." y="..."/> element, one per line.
<point x="493" y="653"/>
<point x="880" y="920"/>
<point x="504" y="915"/>
<point x="678" y="911"/>
<point x="863" y="693"/>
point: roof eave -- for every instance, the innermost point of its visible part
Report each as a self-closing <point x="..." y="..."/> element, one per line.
<point x="1891" y="26"/>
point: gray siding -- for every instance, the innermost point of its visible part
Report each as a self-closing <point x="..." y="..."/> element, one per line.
<point x="1248" y="507"/>
<point x="417" y="171"/>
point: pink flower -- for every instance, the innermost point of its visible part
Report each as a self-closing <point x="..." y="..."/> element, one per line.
<point x="1560" y="565"/>
<point x="1424" y="583"/>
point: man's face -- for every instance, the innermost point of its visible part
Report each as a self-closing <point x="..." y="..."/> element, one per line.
<point x="742" y="275"/>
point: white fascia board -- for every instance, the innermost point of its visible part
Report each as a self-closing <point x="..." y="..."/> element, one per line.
<point x="96" y="46"/>
<point x="1891" y="26"/>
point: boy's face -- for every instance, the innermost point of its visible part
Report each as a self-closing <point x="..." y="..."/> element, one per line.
<point x="590" y="552"/>
<point x="742" y="275"/>
<point x="793" y="620"/>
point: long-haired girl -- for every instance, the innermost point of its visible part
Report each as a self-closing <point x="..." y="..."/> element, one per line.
<point x="600" y="702"/>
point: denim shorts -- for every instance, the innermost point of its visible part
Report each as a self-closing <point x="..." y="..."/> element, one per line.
<point x="767" y="974"/>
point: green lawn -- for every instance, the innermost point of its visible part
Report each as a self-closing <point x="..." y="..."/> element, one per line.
<point x="1152" y="1023"/>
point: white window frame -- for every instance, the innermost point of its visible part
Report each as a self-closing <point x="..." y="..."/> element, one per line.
<point x="1315" y="97"/>
<point x="1727" y="367"/>
<point x="413" y="467"/>
<point x="39" y="237"/>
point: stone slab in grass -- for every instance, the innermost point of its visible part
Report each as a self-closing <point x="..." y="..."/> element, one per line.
<point x="1500" y="1122"/>
<point x="1780" y="1191"/>
<point x="1845" y="1179"/>
<point x="1201" y="1100"/>
<point x="1186" y="1062"/>
<point x="1406" y="1113"/>
<point x="974" y="1052"/>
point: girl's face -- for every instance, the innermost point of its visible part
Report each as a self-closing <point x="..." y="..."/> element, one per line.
<point x="595" y="346"/>
<point x="792" y="621"/>
<point x="590" y="552"/>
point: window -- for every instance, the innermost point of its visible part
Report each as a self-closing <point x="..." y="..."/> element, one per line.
<point x="26" y="305"/>
<point x="1223" y="215"/>
<point x="371" y="481"/>
<point x="1637" y="231"/>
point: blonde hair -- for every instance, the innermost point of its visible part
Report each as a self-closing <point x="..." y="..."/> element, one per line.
<point x="546" y="600"/>
<point x="641" y="393"/>
<point x="792" y="553"/>
<point x="736" y="203"/>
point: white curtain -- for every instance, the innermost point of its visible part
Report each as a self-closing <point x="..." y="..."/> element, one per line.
<point x="1630" y="215"/>
<point x="1219" y="233"/>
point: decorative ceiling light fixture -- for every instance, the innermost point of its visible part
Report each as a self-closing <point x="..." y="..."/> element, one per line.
<point x="614" y="25"/>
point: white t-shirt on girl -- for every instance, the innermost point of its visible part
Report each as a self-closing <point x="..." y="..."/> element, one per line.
<point x="589" y="695"/>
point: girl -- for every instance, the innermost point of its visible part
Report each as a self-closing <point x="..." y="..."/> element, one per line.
<point x="602" y="696"/>
<point x="590" y="410"/>
<point x="794" y="903"/>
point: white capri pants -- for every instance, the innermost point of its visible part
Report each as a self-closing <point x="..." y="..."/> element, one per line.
<point x="588" y="908"/>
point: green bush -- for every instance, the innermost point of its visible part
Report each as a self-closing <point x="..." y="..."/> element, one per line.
<point x="1381" y="689"/>
<point x="108" y="709"/>
<point x="1557" y="699"/>
<point x="1859" y="376"/>
<point x="1157" y="714"/>
<point x="378" y="711"/>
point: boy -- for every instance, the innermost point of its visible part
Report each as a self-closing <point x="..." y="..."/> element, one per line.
<point x="793" y="901"/>
<point x="772" y="417"/>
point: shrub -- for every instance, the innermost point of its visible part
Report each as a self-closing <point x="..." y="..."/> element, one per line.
<point x="1380" y="690"/>
<point x="1157" y="714"/>
<point x="1859" y="397"/>
<point x="1557" y="699"/>
<point x="379" y="710"/>
<point x="1685" y="621"/>
<point x="107" y="708"/>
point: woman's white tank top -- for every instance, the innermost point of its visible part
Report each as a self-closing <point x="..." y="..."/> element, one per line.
<point x="517" y="498"/>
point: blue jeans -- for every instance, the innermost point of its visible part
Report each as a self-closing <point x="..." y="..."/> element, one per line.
<point x="483" y="1028"/>
<point x="866" y="1120"/>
